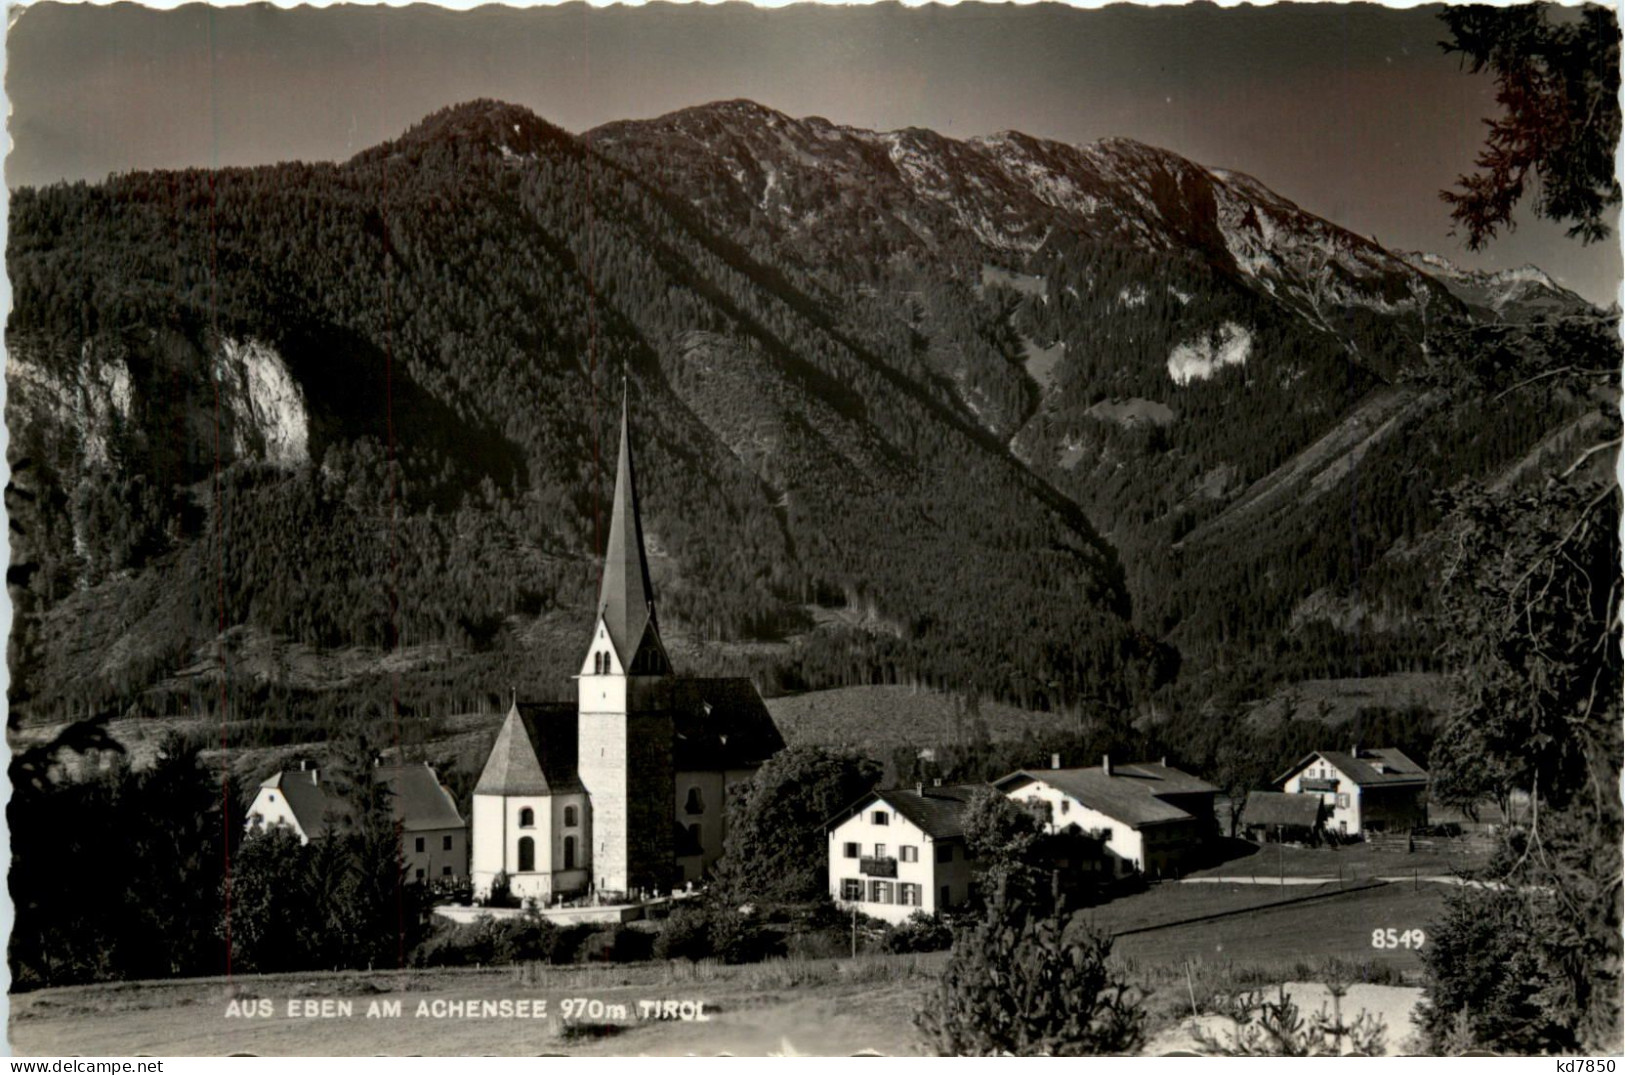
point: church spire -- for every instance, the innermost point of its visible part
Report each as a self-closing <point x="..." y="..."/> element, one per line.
<point x="626" y="597"/>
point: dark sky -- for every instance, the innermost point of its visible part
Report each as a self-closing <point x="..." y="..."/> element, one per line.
<point x="1351" y="110"/>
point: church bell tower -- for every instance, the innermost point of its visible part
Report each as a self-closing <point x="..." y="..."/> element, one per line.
<point x="625" y="727"/>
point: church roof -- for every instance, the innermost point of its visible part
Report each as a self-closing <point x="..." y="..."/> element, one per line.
<point x="721" y="723"/>
<point x="626" y="597"/>
<point x="534" y="753"/>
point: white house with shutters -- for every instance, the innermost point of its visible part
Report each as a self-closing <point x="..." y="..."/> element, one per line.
<point x="1362" y="790"/>
<point x="900" y="851"/>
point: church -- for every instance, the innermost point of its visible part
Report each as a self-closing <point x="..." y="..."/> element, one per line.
<point x="625" y="793"/>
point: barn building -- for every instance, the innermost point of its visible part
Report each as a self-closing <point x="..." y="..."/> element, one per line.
<point x="624" y="793"/>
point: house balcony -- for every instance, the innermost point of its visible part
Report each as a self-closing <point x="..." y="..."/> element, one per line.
<point x="1313" y="784"/>
<point x="873" y="867"/>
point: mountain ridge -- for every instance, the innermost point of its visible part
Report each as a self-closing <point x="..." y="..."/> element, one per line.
<point x="884" y="372"/>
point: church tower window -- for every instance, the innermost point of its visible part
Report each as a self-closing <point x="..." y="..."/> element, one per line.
<point x="694" y="804"/>
<point x="569" y="852"/>
<point x="527" y="818"/>
<point x="527" y="854"/>
<point x="570" y="821"/>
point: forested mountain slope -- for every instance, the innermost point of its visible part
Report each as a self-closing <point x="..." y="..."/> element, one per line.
<point x="1000" y="415"/>
<point x="364" y="406"/>
<point x="1247" y="399"/>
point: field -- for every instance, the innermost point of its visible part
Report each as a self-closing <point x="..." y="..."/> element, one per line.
<point x="1357" y="861"/>
<point x="823" y="1007"/>
<point x="1291" y="937"/>
<point x="806" y="1006"/>
<point x="878" y="718"/>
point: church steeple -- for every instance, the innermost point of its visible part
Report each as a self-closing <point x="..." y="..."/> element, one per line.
<point x="626" y="597"/>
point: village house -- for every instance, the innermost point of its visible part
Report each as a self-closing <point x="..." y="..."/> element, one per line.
<point x="1279" y="817"/>
<point x="1150" y="817"/>
<point x="1362" y="790"/>
<point x="897" y="852"/>
<point x="624" y="792"/>
<point x="434" y="836"/>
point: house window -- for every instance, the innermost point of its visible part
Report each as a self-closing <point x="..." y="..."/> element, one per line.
<point x="908" y="853"/>
<point x="1066" y="806"/>
<point x="527" y="818"/>
<point x="908" y="895"/>
<point x="445" y="871"/>
<point x="945" y="852"/>
<point x="527" y="854"/>
<point x="852" y="889"/>
<point x="942" y="897"/>
<point x="880" y="817"/>
<point x="1342" y="799"/>
<point x="445" y="843"/>
<point x="694" y="804"/>
<point x="880" y="851"/>
<point x="569" y="817"/>
<point x="849" y="851"/>
<point x="417" y="845"/>
<point x="880" y="892"/>
<point x="569" y="852"/>
<point x="420" y="873"/>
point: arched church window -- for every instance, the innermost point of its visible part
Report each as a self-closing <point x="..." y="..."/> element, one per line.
<point x="570" y="818"/>
<point x="597" y="664"/>
<point x="694" y="804"/>
<point x="527" y="818"/>
<point x="694" y="834"/>
<point x="527" y="854"/>
<point x="569" y="852"/>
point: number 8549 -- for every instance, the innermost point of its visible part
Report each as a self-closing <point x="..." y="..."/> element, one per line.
<point x="1393" y="938"/>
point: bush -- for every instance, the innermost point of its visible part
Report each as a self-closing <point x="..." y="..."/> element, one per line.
<point x="686" y="935"/>
<point x="1019" y="984"/>
<point x="921" y="933"/>
<point x="618" y="944"/>
<point x="716" y="933"/>
<point x="1486" y="984"/>
<point x="486" y="940"/>
<point x="739" y="938"/>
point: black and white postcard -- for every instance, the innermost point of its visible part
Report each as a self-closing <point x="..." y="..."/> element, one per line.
<point x="685" y="530"/>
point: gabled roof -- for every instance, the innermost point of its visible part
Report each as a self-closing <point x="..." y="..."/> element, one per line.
<point x="534" y="753"/>
<point x="626" y="596"/>
<point x="938" y="812"/>
<point x="312" y="807"/>
<point x="1361" y="768"/>
<point x="1131" y="794"/>
<point x="1280" y="808"/>
<point x="1164" y="779"/>
<point x="720" y="723"/>
<point x="419" y="800"/>
<point x="416" y="798"/>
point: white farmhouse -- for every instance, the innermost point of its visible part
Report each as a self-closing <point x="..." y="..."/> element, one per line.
<point x="1150" y="817"/>
<point x="1369" y="790"/>
<point x="434" y="837"/>
<point x="897" y="852"/>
